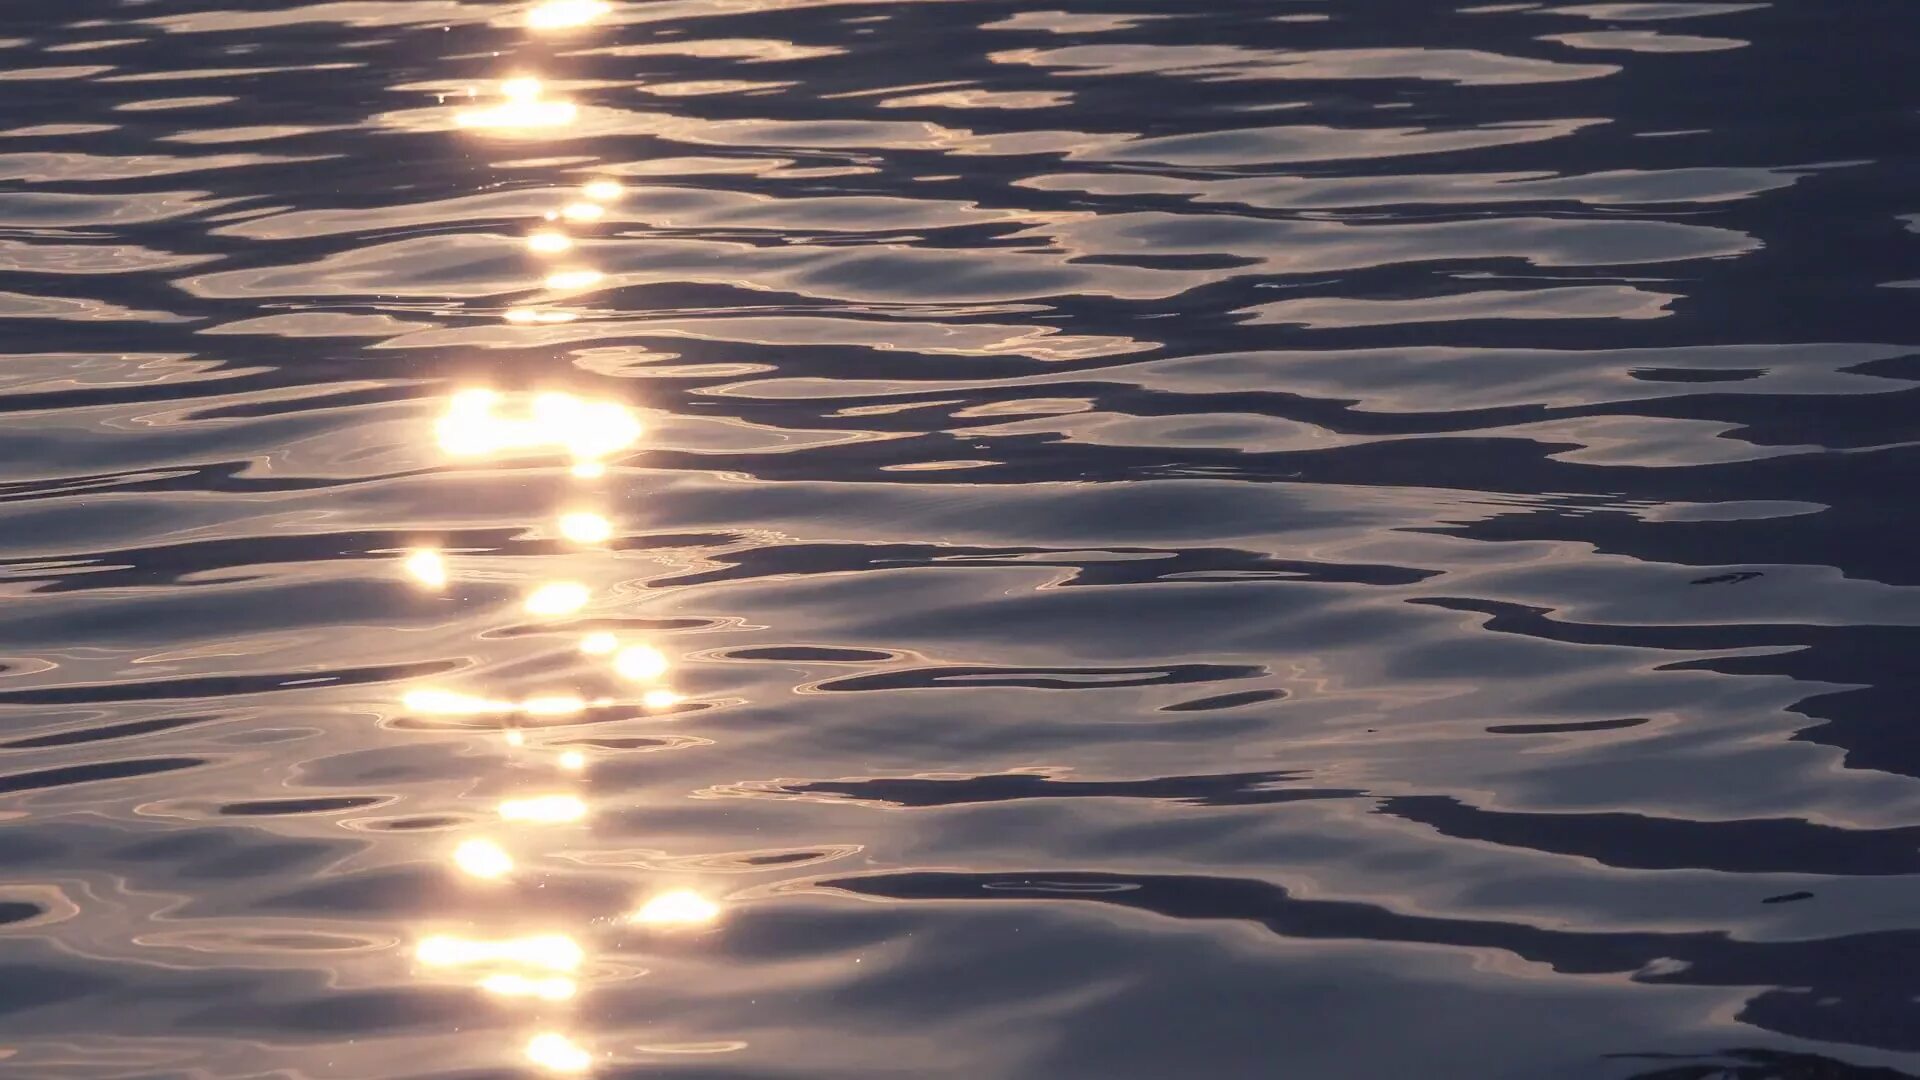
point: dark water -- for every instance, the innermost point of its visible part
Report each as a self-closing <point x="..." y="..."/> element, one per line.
<point x="1183" y="540"/>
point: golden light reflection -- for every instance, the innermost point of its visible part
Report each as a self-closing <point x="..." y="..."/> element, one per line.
<point x="541" y="952"/>
<point x="543" y="810"/>
<point x="549" y="242"/>
<point x="566" y="14"/>
<point x="599" y="643"/>
<point x="555" y="988"/>
<point x="557" y="598"/>
<point x="526" y="109"/>
<point x="516" y="737"/>
<point x="660" y="699"/>
<point x="679" y="908"/>
<point x="436" y="702"/>
<point x="483" y="859"/>
<point x="554" y="705"/>
<point x="557" y="1053"/>
<point x="573" y="761"/>
<point x="603" y="191"/>
<point x="641" y="663"/>
<point x="585" y="527"/>
<point x="583" y="211"/>
<point x="427" y="567"/>
<point x="586" y="429"/>
<point x="574" y="279"/>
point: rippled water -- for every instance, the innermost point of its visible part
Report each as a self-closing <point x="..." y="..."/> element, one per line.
<point x="765" y="539"/>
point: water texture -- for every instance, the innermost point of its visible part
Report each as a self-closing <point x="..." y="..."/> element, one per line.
<point x="794" y="539"/>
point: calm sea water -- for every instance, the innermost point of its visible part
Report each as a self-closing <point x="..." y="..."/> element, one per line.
<point x="799" y="540"/>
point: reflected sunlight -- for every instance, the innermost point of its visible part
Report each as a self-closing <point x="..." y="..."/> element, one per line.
<point x="526" y="108"/>
<point x="586" y="527"/>
<point x="640" y="663"/>
<point x="660" y="699"/>
<point x="543" y="810"/>
<point x="557" y="1053"/>
<point x="508" y="985"/>
<point x="557" y="598"/>
<point x="554" y="705"/>
<point x="483" y="859"/>
<point x="599" y="643"/>
<point x="681" y="907"/>
<point x="549" y="242"/>
<point x="573" y="761"/>
<point x="566" y="14"/>
<point x="542" y="952"/>
<point x="603" y="191"/>
<point x="583" y="211"/>
<point x="574" y="279"/>
<point x="427" y="567"/>
<point x="587" y="429"/>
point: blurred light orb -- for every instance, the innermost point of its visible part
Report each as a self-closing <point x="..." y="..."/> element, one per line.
<point x="557" y="1053"/>
<point x="640" y="663"/>
<point x="680" y="908"/>
<point x="483" y="859"/>
<point x="566" y="14"/>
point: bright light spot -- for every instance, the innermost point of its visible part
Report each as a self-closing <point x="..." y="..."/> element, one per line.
<point x="522" y="986"/>
<point x="449" y="703"/>
<point x="573" y="761"/>
<point x="600" y="643"/>
<point x="525" y="108"/>
<point x="557" y="598"/>
<point x="641" y="663"/>
<point x="589" y="470"/>
<point x="554" y="705"/>
<point x="588" y="430"/>
<point x="483" y="859"/>
<point x="660" y="699"/>
<point x="557" y="1053"/>
<point x="531" y="316"/>
<point x="682" y="907"/>
<point x="603" y="191"/>
<point x="428" y="568"/>
<point x="574" y="279"/>
<point x="549" y="242"/>
<point x="543" y="952"/>
<point x="565" y="14"/>
<point x="586" y="528"/>
<point x="516" y="738"/>
<point x="583" y="211"/>
<point x="543" y="810"/>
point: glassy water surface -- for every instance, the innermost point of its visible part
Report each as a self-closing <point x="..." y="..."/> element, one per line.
<point x="787" y="539"/>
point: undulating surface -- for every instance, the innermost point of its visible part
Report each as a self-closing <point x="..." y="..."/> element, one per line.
<point x="1214" y="539"/>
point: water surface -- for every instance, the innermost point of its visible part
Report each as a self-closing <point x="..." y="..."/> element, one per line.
<point x="1132" y="541"/>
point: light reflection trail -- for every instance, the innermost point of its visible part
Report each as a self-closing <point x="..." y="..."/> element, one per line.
<point x="540" y="973"/>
